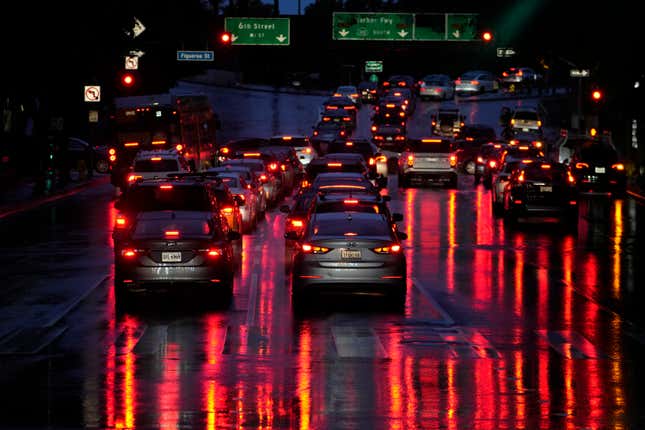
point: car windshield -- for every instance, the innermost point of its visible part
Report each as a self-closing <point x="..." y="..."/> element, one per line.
<point x="231" y="181"/>
<point x="430" y="145"/>
<point x="156" y="198"/>
<point x="360" y="227"/>
<point x="157" y="228"/>
<point x="145" y="166"/>
<point x="595" y="152"/>
<point x="526" y="115"/>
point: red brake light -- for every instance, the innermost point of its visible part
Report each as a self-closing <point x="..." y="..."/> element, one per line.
<point x="618" y="166"/>
<point x="350" y="201"/>
<point x="582" y="166"/>
<point x="334" y="164"/>
<point x="158" y="142"/>
<point x="214" y="252"/>
<point x="165" y="187"/>
<point x="273" y="166"/>
<point x="112" y="151"/>
<point x="133" y="178"/>
<point x="227" y="210"/>
<point x="129" y="252"/>
<point x="171" y="233"/>
<point x="297" y="223"/>
<point x="179" y="147"/>
<point x="120" y="221"/>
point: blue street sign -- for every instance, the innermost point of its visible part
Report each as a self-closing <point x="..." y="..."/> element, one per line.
<point x="195" y="55"/>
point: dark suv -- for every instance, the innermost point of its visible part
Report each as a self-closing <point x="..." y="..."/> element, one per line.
<point x="596" y="167"/>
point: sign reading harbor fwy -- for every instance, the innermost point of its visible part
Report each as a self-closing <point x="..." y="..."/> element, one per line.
<point x="258" y="31"/>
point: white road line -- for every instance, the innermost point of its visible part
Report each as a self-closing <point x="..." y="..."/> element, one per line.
<point x="357" y="342"/>
<point x="67" y="307"/>
<point x="253" y="298"/>
<point x="447" y="319"/>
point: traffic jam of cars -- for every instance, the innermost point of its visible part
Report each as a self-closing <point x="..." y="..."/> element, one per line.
<point x="179" y="227"/>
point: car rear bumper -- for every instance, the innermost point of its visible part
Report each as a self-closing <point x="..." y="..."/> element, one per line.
<point x="138" y="277"/>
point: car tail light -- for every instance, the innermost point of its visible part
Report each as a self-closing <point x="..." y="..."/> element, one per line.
<point x="313" y="249"/>
<point x="263" y="178"/>
<point x="131" y="144"/>
<point x="618" y="166"/>
<point x="505" y="74"/>
<point x="582" y="166"/>
<point x="546" y="166"/>
<point x="155" y="158"/>
<point x="113" y="158"/>
<point x="399" y="138"/>
<point x="326" y="119"/>
<point x="518" y="202"/>
<point x="474" y="82"/>
<point x="224" y="150"/>
<point x="537" y="144"/>
<point x="334" y="164"/>
<point x="172" y="234"/>
<point x="539" y="123"/>
<point x="492" y="164"/>
<point x="374" y="128"/>
<point x="307" y="150"/>
<point x="286" y="138"/>
<point x="329" y="107"/>
<point x="392" y="249"/>
<point x="354" y="95"/>
<point x="410" y="160"/>
<point x="513" y="121"/>
<point x="342" y="132"/>
<point x="251" y="154"/>
<point x="128" y="253"/>
<point x="346" y="118"/>
<point x="453" y="160"/>
<point x="350" y="201"/>
<point x="348" y="143"/>
<point x="390" y="105"/>
<point x="573" y="202"/>
<point x="519" y="73"/>
<point x="315" y="132"/>
<point x="112" y="151"/>
<point x="372" y="161"/>
<point x="283" y="167"/>
<point x="297" y="223"/>
<point x="227" y="210"/>
<point x="273" y="166"/>
<point x="378" y="137"/>
<point x="158" y="142"/>
<point x="401" y="114"/>
<point x="470" y="139"/>
<point x="521" y="177"/>
<point x="523" y="148"/>
<point x="527" y="161"/>
<point x="480" y="160"/>
<point x="434" y="123"/>
<point x="165" y="187"/>
<point x="214" y="252"/>
<point x="381" y="159"/>
<point x="571" y="179"/>
<point x="120" y="222"/>
<point x="134" y="178"/>
<point x="179" y="147"/>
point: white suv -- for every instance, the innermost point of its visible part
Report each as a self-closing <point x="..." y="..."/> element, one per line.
<point x="157" y="164"/>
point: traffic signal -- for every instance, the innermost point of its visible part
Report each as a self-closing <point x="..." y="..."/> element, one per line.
<point x="596" y="95"/>
<point x="226" y="38"/>
<point x="128" y="80"/>
<point x="487" y="36"/>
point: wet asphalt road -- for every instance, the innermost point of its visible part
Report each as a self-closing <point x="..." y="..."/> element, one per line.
<point x="537" y="326"/>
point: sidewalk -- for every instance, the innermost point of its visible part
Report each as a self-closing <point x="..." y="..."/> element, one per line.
<point x="20" y="196"/>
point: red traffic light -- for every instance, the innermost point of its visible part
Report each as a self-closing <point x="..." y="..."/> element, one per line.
<point x="128" y="80"/>
<point x="487" y="36"/>
<point x="226" y="38"/>
<point x="596" y="95"/>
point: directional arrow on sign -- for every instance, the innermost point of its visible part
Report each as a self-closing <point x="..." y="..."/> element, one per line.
<point x="343" y="33"/>
<point x="233" y="37"/>
<point x="281" y="38"/>
<point x="402" y="33"/>
<point x="456" y="34"/>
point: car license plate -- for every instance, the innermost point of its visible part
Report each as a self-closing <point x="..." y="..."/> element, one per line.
<point x="599" y="170"/>
<point x="388" y="138"/>
<point x="546" y="189"/>
<point x="525" y="129"/>
<point x="171" y="257"/>
<point x="350" y="254"/>
<point x="432" y="159"/>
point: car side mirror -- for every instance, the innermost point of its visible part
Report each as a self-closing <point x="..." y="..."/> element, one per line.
<point x="233" y="235"/>
<point x="396" y="217"/>
<point x="285" y="209"/>
<point x="401" y="235"/>
<point x="291" y="235"/>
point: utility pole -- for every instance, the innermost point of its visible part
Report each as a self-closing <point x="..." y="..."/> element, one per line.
<point x="276" y="7"/>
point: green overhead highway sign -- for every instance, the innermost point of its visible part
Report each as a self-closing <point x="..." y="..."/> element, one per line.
<point x="405" y="26"/>
<point x="372" y="26"/>
<point x="373" y="66"/>
<point x="258" y="31"/>
<point x="461" y="26"/>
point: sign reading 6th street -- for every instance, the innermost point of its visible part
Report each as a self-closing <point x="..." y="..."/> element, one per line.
<point x="258" y="31"/>
<point x="372" y="26"/>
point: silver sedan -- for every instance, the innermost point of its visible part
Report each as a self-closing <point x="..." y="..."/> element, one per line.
<point x="349" y="253"/>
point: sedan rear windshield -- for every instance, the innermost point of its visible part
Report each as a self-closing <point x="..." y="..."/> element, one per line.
<point x="526" y="115"/>
<point x="598" y="153"/>
<point x="535" y="172"/>
<point x="363" y="227"/>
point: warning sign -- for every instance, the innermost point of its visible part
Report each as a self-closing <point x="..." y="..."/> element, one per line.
<point x="92" y="93"/>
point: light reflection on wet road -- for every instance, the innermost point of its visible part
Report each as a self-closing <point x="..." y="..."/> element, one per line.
<point x="526" y="327"/>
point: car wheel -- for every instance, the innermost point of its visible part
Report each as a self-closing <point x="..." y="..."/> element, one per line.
<point x="102" y="166"/>
<point x="396" y="299"/>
